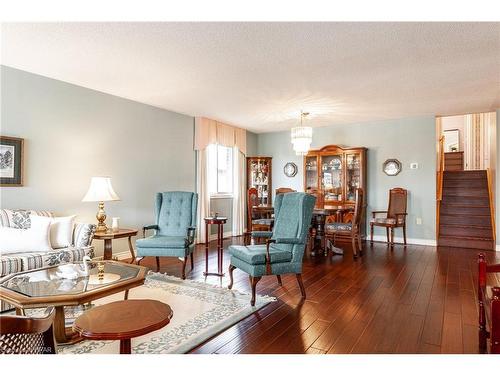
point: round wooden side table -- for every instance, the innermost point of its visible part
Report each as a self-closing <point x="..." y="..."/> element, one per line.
<point x="219" y="221"/>
<point x="123" y="320"/>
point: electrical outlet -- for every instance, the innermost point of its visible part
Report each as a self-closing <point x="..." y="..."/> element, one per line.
<point x="419" y="221"/>
<point x="413" y="165"/>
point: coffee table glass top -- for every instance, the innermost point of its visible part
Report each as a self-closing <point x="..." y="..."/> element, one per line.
<point x="48" y="282"/>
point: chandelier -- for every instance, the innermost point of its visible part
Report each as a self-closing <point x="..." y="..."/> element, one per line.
<point x="302" y="136"/>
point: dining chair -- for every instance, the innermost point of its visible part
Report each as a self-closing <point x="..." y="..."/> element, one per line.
<point x="175" y="214"/>
<point x="284" y="190"/>
<point x="25" y="335"/>
<point x="395" y="216"/>
<point x="258" y="227"/>
<point x="283" y="252"/>
<point x="351" y="230"/>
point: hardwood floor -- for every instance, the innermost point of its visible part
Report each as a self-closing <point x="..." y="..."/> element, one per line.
<point x="421" y="299"/>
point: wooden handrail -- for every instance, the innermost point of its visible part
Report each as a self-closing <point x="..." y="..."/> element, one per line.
<point x="439" y="181"/>
<point x="492" y="207"/>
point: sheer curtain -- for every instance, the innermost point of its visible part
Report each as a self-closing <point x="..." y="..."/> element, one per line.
<point x="202" y="184"/>
<point x="239" y="184"/>
<point x="208" y="132"/>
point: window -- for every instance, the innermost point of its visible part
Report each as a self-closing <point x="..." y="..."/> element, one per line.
<point x="220" y="169"/>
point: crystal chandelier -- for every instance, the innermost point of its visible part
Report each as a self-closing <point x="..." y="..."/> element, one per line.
<point x="302" y="136"/>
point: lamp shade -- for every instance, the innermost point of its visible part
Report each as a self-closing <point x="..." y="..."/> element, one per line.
<point x="100" y="190"/>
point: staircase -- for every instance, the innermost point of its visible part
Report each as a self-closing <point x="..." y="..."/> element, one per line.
<point x="465" y="215"/>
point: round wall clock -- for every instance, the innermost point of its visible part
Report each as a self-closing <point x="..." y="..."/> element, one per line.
<point x="391" y="167"/>
<point x="290" y="169"/>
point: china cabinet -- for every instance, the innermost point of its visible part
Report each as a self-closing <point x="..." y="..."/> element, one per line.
<point x="259" y="176"/>
<point x="333" y="173"/>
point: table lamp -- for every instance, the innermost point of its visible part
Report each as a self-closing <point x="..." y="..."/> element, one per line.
<point x="100" y="190"/>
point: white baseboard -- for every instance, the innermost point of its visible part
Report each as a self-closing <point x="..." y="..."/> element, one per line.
<point x="411" y="241"/>
<point x="497" y="248"/>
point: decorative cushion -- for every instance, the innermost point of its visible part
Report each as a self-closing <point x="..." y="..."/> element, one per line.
<point x="19" y="219"/>
<point x="83" y="234"/>
<point x="256" y="254"/>
<point x="386" y="220"/>
<point x="36" y="238"/>
<point x="167" y="242"/>
<point x="335" y="227"/>
<point x="61" y="231"/>
<point x="263" y="221"/>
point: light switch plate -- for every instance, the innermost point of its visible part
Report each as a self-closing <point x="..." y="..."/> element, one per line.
<point x="419" y="221"/>
<point x="413" y="165"/>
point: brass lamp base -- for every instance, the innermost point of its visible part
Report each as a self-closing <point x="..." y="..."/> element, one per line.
<point x="101" y="217"/>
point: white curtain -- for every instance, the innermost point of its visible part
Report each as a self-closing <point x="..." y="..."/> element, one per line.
<point x="239" y="184"/>
<point x="202" y="183"/>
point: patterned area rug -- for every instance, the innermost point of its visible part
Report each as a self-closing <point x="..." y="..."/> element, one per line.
<point x="200" y="311"/>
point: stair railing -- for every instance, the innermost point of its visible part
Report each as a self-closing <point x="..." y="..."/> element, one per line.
<point x="439" y="181"/>
<point x="492" y="206"/>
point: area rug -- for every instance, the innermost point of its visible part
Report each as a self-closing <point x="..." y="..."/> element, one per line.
<point x="200" y="311"/>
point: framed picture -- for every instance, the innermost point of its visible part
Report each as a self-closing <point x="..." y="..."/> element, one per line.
<point x="290" y="169"/>
<point x="11" y="161"/>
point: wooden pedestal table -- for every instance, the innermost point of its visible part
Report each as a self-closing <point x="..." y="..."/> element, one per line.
<point x="219" y="221"/>
<point x="123" y="320"/>
<point x="110" y="235"/>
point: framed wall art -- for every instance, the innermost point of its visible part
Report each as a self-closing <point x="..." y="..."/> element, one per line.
<point x="11" y="161"/>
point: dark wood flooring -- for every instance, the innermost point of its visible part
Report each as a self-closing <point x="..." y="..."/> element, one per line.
<point x="421" y="299"/>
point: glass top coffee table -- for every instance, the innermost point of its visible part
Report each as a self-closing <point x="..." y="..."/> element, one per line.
<point x="46" y="287"/>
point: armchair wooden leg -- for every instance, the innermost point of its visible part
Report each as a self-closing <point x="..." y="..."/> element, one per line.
<point x="279" y="280"/>
<point x="404" y="233"/>
<point x="371" y="234"/>
<point x="231" y="269"/>
<point x="157" y="264"/>
<point x="192" y="261"/>
<point x="184" y="262"/>
<point x="387" y="233"/>
<point x="253" y="283"/>
<point x="359" y="243"/>
<point x="301" y="285"/>
<point x="392" y="236"/>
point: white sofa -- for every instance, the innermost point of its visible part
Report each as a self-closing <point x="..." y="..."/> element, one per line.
<point x="12" y="263"/>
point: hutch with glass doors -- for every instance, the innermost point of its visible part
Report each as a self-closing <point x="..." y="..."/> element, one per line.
<point x="333" y="173"/>
<point x="259" y="176"/>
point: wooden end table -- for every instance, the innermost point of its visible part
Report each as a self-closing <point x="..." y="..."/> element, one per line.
<point x="219" y="221"/>
<point x="110" y="235"/>
<point x="123" y="320"/>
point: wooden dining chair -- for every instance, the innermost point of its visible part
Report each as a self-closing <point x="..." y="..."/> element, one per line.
<point x="395" y="216"/>
<point x="255" y="221"/>
<point x="284" y="190"/>
<point x="24" y="335"/>
<point x="351" y="230"/>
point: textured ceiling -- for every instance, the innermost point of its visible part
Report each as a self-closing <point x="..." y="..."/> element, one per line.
<point x="260" y="75"/>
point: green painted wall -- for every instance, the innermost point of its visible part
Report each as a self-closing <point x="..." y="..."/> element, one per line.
<point x="72" y="133"/>
<point x="408" y="140"/>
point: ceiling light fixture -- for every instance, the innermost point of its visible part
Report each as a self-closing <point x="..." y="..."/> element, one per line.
<point x="301" y="136"/>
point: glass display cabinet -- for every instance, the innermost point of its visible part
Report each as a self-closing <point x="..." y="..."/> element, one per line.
<point x="333" y="173"/>
<point x="259" y="176"/>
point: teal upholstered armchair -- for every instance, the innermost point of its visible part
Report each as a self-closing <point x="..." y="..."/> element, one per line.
<point x="284" y="251"/>
<point x="175" y="213"/>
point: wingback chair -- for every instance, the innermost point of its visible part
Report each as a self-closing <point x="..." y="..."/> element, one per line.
<point x="23" y="335"/>
<point x="352" y="229"/>
<point x="175" y="214"/>
<point x="283" y="252"/>
<point x="395" y="216"/>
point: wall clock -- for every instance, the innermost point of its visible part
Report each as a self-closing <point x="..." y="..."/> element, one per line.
<point x="391" y="167"/>
<point x="290" y="169"/>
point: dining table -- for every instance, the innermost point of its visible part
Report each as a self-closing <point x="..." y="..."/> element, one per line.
<point x="320" y="212"/>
